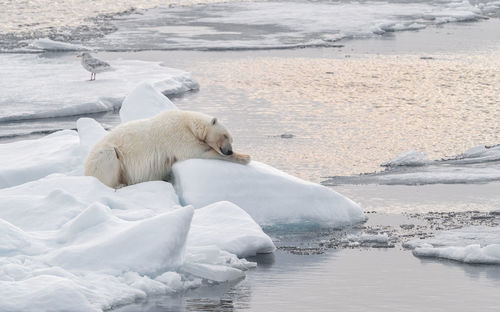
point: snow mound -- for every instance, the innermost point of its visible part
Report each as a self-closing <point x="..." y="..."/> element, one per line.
<point x="479" y="244"/>
<point x="68" y="92"/>
<point x="268" y="195"/>
<point x="153" y="103"/>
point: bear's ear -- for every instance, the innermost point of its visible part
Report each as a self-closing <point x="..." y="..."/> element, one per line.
<point x="214" y="121"/>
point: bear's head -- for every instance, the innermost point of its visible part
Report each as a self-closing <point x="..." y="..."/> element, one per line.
<point x="219" y="138"/>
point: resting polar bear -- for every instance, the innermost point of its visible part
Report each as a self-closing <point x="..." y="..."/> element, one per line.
<point x="145" y="150"/>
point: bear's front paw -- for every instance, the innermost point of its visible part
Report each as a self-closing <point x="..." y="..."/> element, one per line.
<point x="242" y="158"/>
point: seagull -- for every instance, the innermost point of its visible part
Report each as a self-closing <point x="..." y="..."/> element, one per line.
<point x="93" y="65"/>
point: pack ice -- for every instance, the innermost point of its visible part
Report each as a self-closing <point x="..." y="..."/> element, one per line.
<point x="70" y="243"/>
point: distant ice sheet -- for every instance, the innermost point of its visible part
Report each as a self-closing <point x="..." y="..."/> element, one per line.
<point x="276" y="24"/>
<point x="39" y="87"/>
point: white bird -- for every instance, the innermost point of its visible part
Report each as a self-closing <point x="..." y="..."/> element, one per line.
<point x="93" y="65"/>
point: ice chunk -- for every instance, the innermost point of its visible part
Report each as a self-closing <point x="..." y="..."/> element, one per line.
<point x="95" y="214"/>
<point x="478" y="244"/>
<point x="268" y="195"/>
<point x="489" y="254"/>
<point x="411" y="158"/>
<point x="57" y="152"/>
<point x="49" y="203"/>
<point x="230" y="228"/>
<point x="144" y="102"/>
<point x="481" y="235"/>
<point x="147" y="247"/>
<point x="89" y="132"/>
<point x="213" y="272"/>
<point x="54" y="87"/>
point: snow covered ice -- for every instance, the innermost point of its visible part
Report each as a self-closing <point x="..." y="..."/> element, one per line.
<point x="270" y="196"/>
<point x="68" y="242"/>
<point x="55" y="87"/>
<point x="479" y="244"/>
<point x="271" y="24"/>
<point x="479" y="164"/>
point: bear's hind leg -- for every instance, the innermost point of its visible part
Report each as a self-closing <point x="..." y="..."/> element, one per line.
<point x="108" y="168"/>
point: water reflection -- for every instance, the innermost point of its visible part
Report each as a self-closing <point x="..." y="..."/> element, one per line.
<point x="349" y="115"/>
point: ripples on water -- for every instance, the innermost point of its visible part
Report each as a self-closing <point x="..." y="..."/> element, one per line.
<point x="350" y="115"/>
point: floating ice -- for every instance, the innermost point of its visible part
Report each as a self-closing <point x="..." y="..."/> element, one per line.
<point x="231" y="228"/>
<point x="28" y="160"/>
<point x="477" y="165"/>
<point x="64" y="234"/>
<point x="368" y="238"/>
<point x="53" y="87"/>
<point x="273" y="24"/>
<point x="103" y="247"/>
<point x="411" y="158"/>
<point x="489" y="254"/>
<point x="268" y="195"/>
<point x="478" y="244"/>
<point x="144" y="93"/>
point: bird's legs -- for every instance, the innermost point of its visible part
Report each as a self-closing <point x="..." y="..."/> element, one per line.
<point x="92" y="76"/>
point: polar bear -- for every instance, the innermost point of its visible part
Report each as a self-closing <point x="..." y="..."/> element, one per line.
<point x="145" y="150"/>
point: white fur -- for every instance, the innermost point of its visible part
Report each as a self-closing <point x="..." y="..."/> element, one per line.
<point x="144" y="150"/>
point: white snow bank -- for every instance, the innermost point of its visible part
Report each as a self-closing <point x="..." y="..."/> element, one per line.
<point x="47" y="44"/>
<point x="144" y="93"/>
<point x="479" y="244"/>
<point x="268" y="195"/>
<point x="54" y="87"/>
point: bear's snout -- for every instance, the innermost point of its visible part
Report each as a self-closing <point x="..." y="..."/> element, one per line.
<point x="226" y="151"/>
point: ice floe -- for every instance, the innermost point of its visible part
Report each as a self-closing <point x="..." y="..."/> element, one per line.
<point x="54" y="87"/>
<point x="478" y="244"/>
<point x="67" y="239"/>
<point x="269" y="195"/>
<point x="479" y="164"/>
<point x="273" y="24"/>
